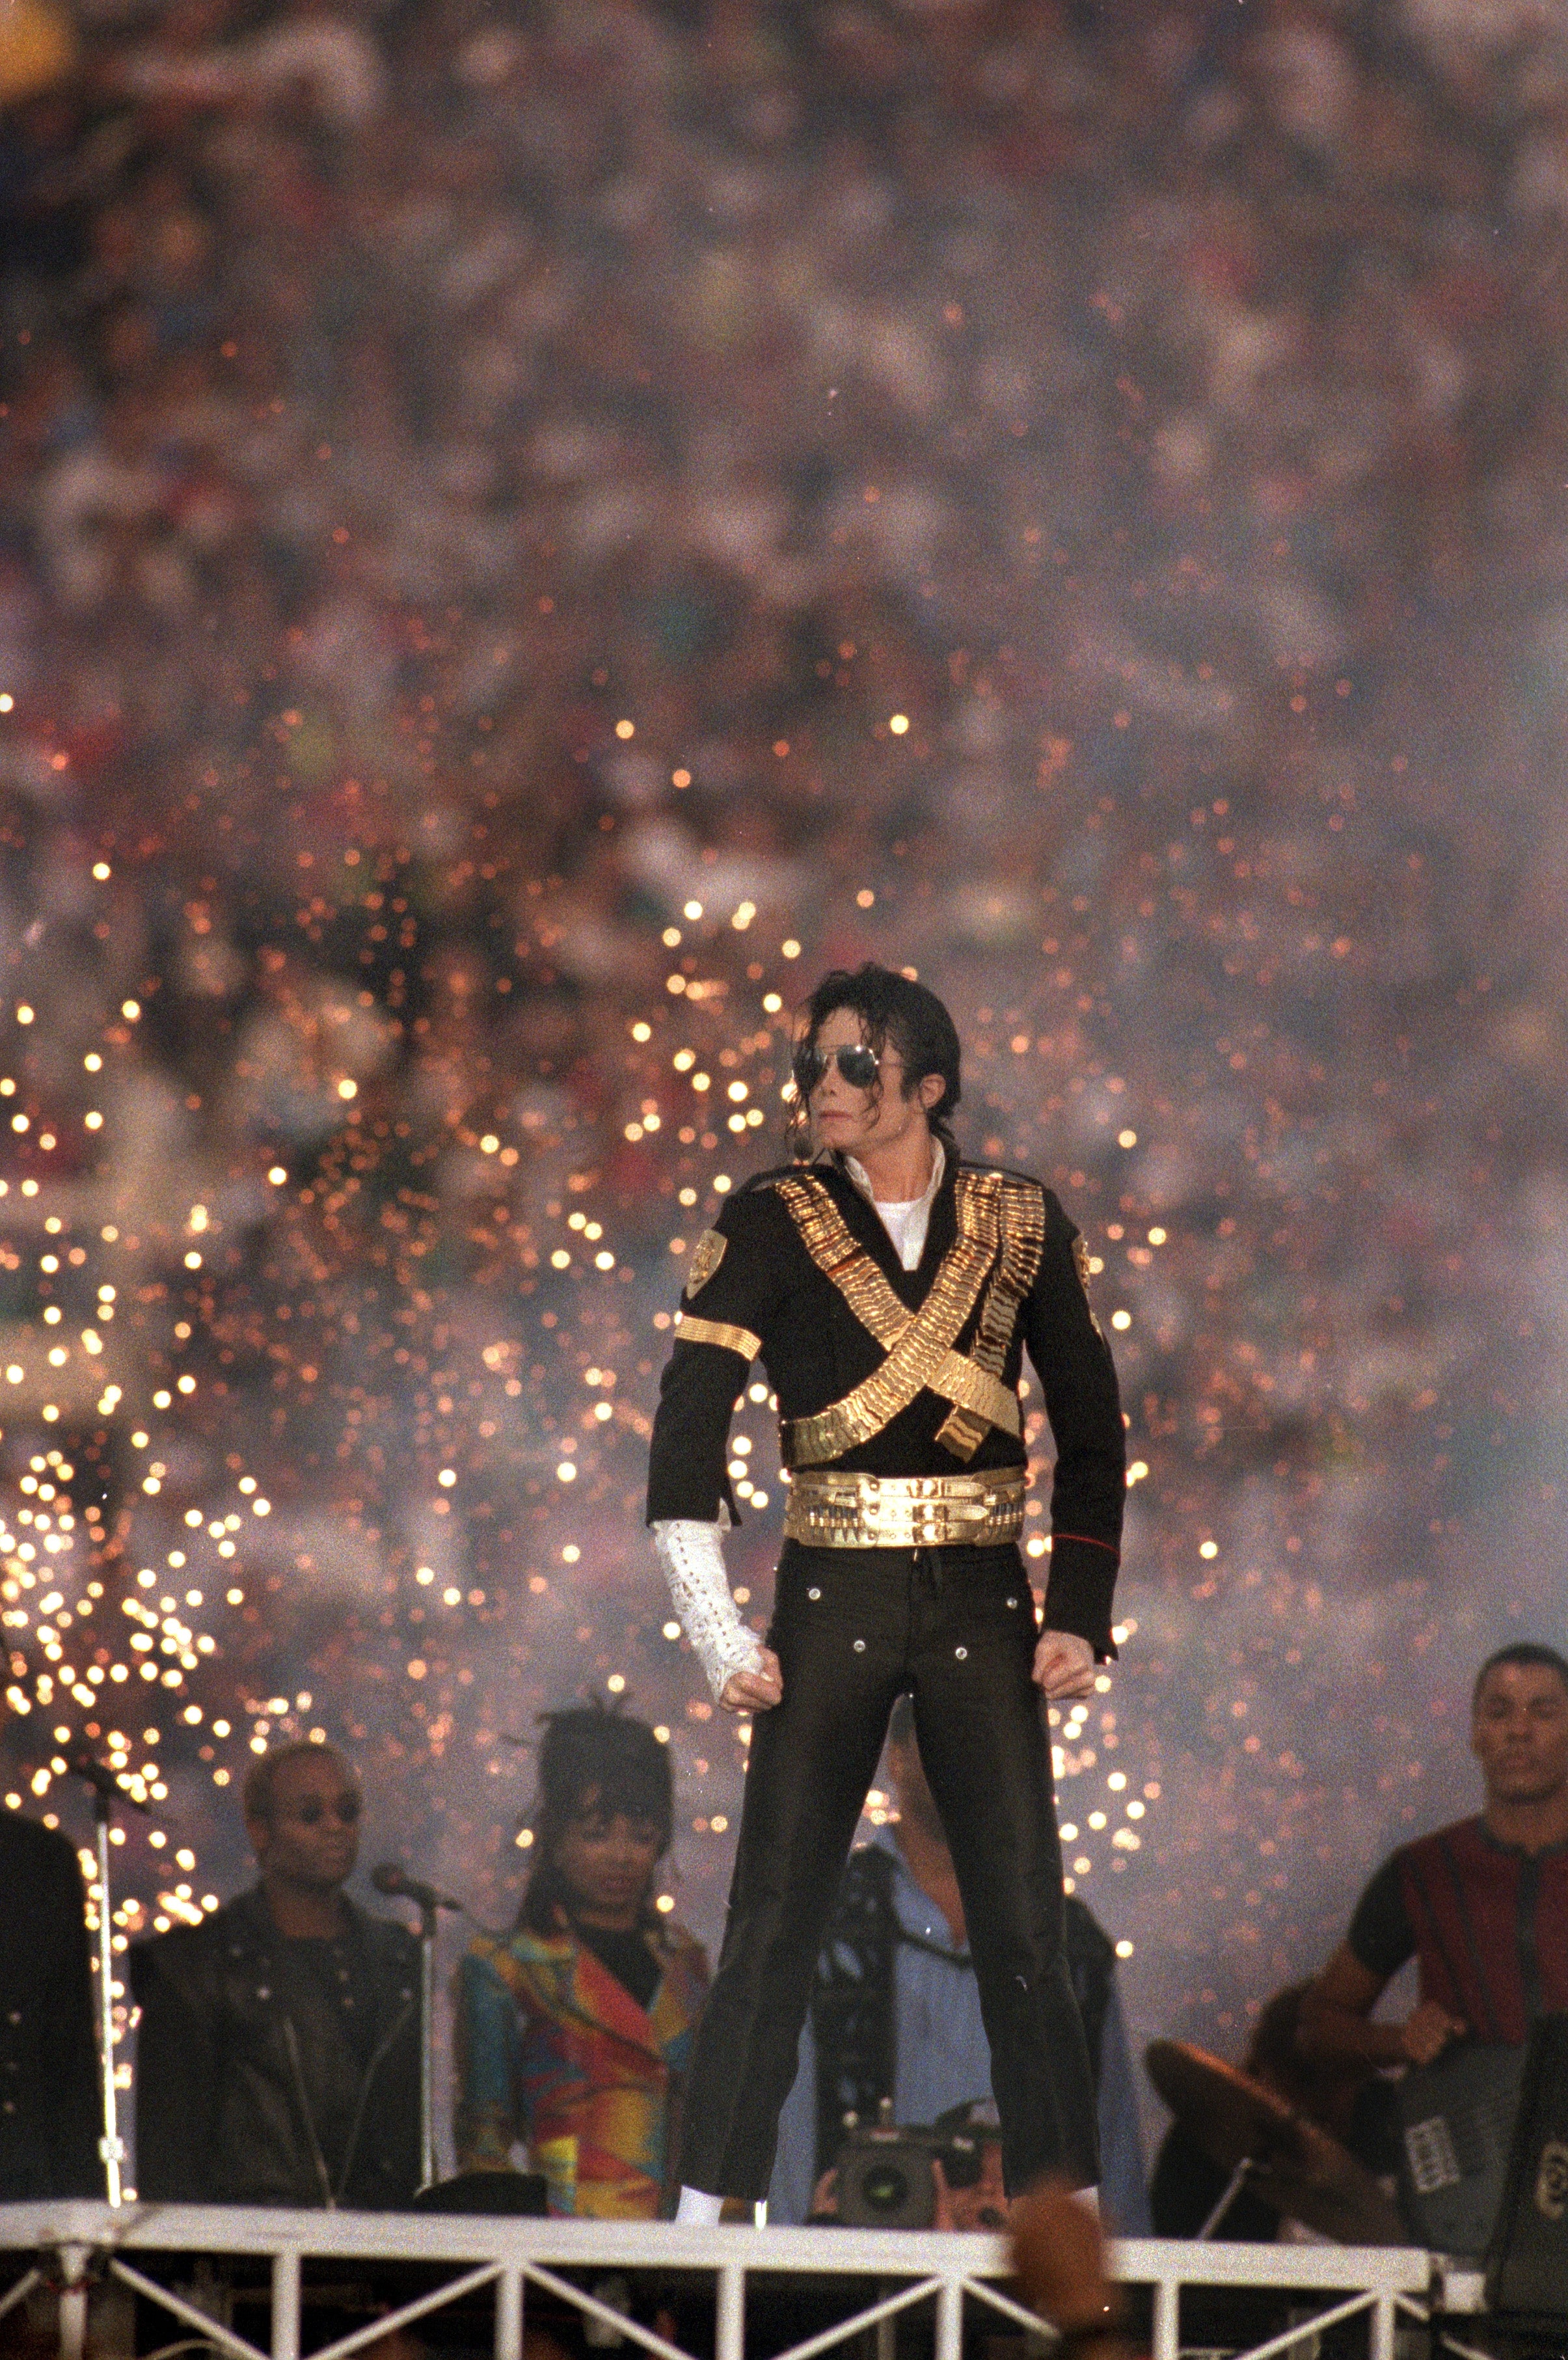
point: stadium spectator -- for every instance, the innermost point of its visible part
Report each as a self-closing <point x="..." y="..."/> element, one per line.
<point x="1158" y="411"/>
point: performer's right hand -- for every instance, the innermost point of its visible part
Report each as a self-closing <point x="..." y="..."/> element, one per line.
<point x="755" y="1692"/>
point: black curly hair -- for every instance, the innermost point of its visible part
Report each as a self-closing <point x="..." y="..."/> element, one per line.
<point x="891" y="1007"/>
<point x="598" y="1762"/>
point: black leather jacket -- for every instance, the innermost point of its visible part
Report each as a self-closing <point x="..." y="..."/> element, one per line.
<point x="51" y="2113"/>
<point x="244" y="2099"/>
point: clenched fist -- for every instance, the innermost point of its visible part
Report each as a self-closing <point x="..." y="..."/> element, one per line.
<point x="1063" y="1665"/>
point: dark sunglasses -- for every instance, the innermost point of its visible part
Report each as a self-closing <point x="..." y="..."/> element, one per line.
<point x="859" y="1064"/>
<point x="346" y="1809"/>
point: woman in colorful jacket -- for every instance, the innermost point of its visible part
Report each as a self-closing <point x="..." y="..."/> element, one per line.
<point x="572" y="2031"/>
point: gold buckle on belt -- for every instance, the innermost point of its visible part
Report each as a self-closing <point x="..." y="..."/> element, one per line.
<point x="829" y="1510"/>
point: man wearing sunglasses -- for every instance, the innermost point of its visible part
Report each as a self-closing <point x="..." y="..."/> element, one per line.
<point x="279" y="2056"/>
<point x="890" y="1291"/>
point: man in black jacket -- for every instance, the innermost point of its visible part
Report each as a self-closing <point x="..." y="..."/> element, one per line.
<point x="278" y="2056"/>
<point x="890" y="1292"/>
<point x="51" y="2107"/>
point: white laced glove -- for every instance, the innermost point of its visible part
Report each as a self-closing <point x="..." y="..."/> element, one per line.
<point x="692" y="1557"/>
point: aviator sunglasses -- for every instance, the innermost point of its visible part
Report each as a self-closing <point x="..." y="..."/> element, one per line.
<point x="859" y="1064"/>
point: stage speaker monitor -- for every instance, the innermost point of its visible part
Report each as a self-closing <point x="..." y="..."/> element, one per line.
<point x="1527" y="2262"/>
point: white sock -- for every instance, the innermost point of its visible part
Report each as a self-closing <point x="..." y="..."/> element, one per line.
<point x="697" y="2207"/>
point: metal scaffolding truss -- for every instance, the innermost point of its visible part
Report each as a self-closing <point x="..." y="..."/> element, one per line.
<point x="70" y="2244"/>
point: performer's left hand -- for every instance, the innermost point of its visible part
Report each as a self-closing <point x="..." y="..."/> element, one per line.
<point x="1063" y="1665"/>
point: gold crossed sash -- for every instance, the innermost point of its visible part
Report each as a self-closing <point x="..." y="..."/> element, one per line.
<point x="998" y="1233"/>
<point x="1023" y="1244"/>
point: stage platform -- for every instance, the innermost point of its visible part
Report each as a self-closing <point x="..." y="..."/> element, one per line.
<point x="264" y="2285"/>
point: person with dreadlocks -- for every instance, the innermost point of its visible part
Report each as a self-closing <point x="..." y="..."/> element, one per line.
<point x="572" y="2031"/>
<point x="890" y="1291"/>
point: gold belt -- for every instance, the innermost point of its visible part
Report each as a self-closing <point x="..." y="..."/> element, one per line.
<point x="828" y="1509"/>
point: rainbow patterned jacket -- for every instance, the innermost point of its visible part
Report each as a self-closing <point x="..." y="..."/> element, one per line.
<point x="553" y="2053"/>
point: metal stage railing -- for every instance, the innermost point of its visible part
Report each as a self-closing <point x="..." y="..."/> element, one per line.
<point x="71" y="2245"/>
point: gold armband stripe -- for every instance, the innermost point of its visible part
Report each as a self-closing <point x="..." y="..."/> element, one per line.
<point x="717" y="1331"/>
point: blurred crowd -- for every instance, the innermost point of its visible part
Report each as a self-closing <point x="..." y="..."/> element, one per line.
<point x="525" y="531"/>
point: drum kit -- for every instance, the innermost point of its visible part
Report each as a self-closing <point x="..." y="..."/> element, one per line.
<point x="1265" y="2145"/>
<point x="1483" y="2172"/>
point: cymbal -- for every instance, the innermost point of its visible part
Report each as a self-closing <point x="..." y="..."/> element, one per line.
<point x="1299" y="2168"/>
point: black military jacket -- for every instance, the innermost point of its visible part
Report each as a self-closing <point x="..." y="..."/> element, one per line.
<point x="52" y="2110"/>
<point x="761" y="1294"/>
<point x="229" y="2087"/>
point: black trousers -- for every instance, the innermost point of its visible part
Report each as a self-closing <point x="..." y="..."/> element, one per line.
<point x="854" y="1629"/>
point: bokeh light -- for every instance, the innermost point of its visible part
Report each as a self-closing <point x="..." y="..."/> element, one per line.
<point x="524" y="542"/>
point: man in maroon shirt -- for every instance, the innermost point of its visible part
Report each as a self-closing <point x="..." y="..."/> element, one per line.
<point x="1481" y="1905"/>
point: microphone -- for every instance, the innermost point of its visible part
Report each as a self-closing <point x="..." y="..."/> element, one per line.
<point x="103" y="1782"/>
<point x="391" y="1878"/>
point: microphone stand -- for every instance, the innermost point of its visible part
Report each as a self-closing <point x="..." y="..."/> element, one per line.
<point x="429" y="1922"/>
<point x="106" y="1792"/>
<point x="399" y="1885"/>
<point x="429" y="1904"/>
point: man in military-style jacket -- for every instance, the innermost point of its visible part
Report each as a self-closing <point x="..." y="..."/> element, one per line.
<point x="890" y="1292"/>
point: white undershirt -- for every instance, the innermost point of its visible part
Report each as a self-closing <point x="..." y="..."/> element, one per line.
<point x="906" y="1223"/>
